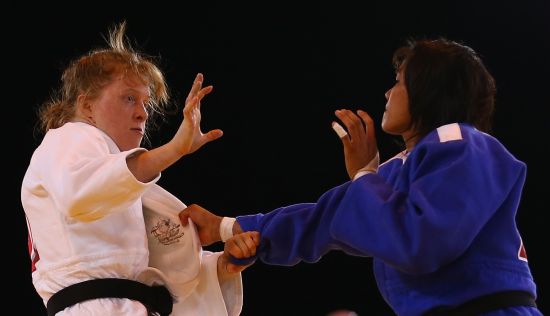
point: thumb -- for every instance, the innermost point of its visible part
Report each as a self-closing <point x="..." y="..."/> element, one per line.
<point x="213" y="135"/>
<point x="184" y="217"/>
<point x="255" y="237"/>
<point x="228" y="266"/>
<point x="235" y="268"/>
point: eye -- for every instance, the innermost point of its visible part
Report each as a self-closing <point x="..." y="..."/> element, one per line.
<point x="130" y="98"/>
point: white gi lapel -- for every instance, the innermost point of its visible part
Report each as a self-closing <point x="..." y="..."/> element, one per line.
<point x="173" y="249"/>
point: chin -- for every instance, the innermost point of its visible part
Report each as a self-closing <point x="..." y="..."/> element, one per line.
<point x="384" y="126"/>
<point x="389" y="130"/>
<point x="128" y="147"/>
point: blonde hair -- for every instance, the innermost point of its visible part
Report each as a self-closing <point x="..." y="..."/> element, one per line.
<point x="89" y="74"/>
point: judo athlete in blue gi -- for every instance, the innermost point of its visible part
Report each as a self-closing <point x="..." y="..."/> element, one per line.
<point x="438" y="219"/>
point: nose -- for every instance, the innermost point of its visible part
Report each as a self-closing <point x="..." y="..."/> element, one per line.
<point x="141" y="113"/>
<point x="387" y="94"/>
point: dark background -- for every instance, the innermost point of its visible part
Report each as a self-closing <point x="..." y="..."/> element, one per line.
<point x="279" y="71"/>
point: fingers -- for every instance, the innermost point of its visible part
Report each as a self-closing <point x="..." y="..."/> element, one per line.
<point x="197" y="84"/>
<point x="339" y="130"/>
<point x="369" y="124"/>
<point x="196" y="97"/>
<point x="240" y="246"/>
<point x="193" y="100"/>
<point x="184" y="216"/>
<point x="197" y="90"/>
<point x="344" y="137"/>
<point x="243" y="245"/>
<point x="191" y="105"/>
<point x="203" y="92"/>
<point x="256" y="238"/>
<point x="353" y="124"/>
<point x="246" y="247"/>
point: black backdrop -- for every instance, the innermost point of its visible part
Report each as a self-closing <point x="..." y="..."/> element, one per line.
<point x="279" y="71"/>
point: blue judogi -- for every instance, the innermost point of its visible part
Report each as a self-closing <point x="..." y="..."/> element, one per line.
<point x="439" y="223"/>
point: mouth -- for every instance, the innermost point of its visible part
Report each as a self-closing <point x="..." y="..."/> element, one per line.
<point x="138" y="130"/>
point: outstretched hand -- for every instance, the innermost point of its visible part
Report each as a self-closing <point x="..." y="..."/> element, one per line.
<point x="189" y="136"/>
<point x="360" y="148"/>
<point x="207" y="223"/>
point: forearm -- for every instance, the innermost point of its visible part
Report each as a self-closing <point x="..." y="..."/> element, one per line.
<point x="300" y="232"/>
<point x="146" y="165"/>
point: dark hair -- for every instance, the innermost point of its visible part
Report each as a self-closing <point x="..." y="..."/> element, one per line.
<point x="446" y="83"/>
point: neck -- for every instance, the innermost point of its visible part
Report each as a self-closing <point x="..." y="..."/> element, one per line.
<point x="83" y="120"/>
<point x="410" y="142"/>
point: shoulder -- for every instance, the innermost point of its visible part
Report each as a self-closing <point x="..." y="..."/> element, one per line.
<point x="460" y="135"/>
<point x="74" y="132"/>
<point x="72" y="137"/>
<point x="462" y="141"/>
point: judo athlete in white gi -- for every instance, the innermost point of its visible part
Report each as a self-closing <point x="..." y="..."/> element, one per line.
<point x="95" y="212"/>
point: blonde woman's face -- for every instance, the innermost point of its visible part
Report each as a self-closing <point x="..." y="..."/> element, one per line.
<point x="120" y="111"/>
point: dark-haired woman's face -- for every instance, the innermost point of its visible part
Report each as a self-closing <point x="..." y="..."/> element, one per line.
<point x="397" y="118"/>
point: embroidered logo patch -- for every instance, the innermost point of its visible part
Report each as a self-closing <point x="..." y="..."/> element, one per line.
<point x="167" y="232"/>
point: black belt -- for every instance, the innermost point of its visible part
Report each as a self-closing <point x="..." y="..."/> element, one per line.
<point x="486" y="303"/>
<point x="155" y="298"/>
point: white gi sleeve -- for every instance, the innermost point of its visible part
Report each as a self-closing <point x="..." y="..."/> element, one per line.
<point x="87" y="179"/>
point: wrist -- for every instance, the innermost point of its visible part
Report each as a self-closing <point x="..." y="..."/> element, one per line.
<point x="176" y="149"/>
<point x="237" y="229"/>
<point x="226" y="228"/>
<point x="363" y="172"/>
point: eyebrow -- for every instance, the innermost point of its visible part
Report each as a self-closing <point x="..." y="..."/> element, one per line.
<point x="129" y="89"/>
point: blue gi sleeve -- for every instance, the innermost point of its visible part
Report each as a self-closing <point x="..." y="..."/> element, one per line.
<point x="298" y="232"/>
<point x="425" y="217"/>
<point x="431" y="215"/>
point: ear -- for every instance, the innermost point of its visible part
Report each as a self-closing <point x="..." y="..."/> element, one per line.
<point x="84" y="108"/>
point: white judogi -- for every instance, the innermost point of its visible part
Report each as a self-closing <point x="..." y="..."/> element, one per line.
<point x="85" y="212"/>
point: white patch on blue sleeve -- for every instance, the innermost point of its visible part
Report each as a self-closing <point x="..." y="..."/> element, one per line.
<point x="449" y="132"/>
